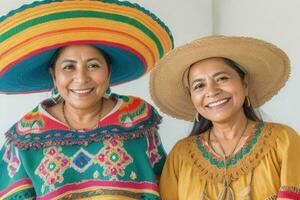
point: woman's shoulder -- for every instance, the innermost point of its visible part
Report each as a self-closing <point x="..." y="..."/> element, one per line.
<point x="184" y="145"/>
<point x="135" y="109"/>
<point x="38" y="120"/>
<point x="281" y="131"/>
<point x="131" y="101"/>
<point x="280" y="137"/>
<point x="32" y="120"/>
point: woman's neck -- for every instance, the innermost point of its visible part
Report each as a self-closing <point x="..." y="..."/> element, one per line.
<point x="82" y="114"/>
<point x="82" y="118"/>
<point x="229" y="130"/>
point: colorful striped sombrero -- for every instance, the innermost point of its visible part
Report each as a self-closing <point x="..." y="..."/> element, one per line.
<point x="133" y="37"/>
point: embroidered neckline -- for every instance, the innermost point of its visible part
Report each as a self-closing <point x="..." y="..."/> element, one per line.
<point x="46" y="103"/>
<point x="218" y="162"/>
<point x="134" y="118"/>
<point x="242" y="162"/>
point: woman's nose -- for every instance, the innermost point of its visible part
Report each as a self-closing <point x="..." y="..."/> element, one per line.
<point x="212" y="89"/>
<point x="82" y="76"/>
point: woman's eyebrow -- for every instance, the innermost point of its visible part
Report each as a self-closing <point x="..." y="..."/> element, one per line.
<point x="219" y="73"/>
<point x="69" y="60"/>
<point x="198" y="80"/>
<point x="91" y="59"/>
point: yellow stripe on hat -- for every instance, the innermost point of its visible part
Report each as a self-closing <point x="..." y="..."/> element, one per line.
<point x="31" y="33"/>
<point x="50" y="39"/>
<point x="47" y="9"/>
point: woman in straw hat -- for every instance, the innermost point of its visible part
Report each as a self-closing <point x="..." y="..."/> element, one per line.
<point x="84" y="142"/>
<point x="231" y="153"/>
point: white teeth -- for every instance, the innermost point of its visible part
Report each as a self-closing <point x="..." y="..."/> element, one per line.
<point x="217" y="103"/>
<point x="82" y="91"/>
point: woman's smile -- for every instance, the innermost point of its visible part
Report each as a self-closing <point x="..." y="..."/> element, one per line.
<point x="82" y="92"/>
<point x="218" y="103"/>
<point x="81" y="75"/>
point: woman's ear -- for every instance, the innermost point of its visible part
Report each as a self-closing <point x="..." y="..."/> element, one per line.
<point x="52" y="74"/>
<point x="245" y="84"/>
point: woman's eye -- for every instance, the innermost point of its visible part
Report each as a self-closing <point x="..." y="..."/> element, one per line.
<point x="198" y="86"/>
<point x="68" y="67"/>
<point x="93" y="66"/>
<point x="222" y="78"/>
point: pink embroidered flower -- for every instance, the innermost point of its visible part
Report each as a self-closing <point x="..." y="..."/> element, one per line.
<point x="13" y="165"/>
<point x="12" y="159"/>
<point x="7" y="154"/>
<point x="113" y="158"/>
<point x="53" y="166"/>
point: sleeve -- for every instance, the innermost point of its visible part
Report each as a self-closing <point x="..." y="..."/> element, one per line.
<point x="169" y="177"/>
<point x="288" y="148"/>
<point x="14" y="181"/>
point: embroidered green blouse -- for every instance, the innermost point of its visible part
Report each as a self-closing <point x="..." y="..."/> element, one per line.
<point x="121" y="159"/>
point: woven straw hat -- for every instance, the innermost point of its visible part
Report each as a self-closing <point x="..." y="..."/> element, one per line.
<point x="133" y="37"/>
<point x="267" y="69"/>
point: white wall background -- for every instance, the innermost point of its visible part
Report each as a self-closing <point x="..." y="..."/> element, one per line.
<point x="276" y="21"/>
<point x="271" y="20"/>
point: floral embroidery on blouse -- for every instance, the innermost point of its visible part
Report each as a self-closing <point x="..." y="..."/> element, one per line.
<point x="113" y="158"/>
<point x="11" y="157"/>
<point x="85" y="163"/>
<point x="52" y="167"/>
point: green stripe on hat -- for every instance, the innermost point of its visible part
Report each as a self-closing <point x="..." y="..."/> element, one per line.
<point x="74" y="14"/>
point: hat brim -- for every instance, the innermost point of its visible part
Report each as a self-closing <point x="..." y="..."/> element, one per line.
<point x="267" y="69"/>
<point x="133" y="38"/>
<point x="127" y="66"/>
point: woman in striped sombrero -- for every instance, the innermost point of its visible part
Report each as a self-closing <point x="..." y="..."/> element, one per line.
<point x="83" y="142"/>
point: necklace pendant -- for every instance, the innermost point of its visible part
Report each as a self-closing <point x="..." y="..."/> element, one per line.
<point x="227" y="192"/>
<point x="225" y="184"/>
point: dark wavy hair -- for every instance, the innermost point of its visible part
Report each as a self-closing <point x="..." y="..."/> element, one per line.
<point x="204" y="124"/>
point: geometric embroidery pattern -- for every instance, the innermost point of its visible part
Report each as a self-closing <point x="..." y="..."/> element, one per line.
<point x="32" y="122"/>
<point x="205" y="150"/>
<point x="81" y="160"/>
<point x="52" y="167"/>
<point x="113" y="158"/>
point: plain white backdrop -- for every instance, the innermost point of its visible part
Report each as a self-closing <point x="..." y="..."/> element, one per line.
<point x="273" y="20"/>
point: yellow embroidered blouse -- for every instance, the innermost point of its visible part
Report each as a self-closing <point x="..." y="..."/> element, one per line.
<point x="266" y="168"/>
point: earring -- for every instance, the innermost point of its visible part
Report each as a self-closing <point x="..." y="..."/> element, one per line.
<point x="55" y="96"/>
<point x="107" y="92"/>
<point x="197" y="117"/>
<point x="248" y="102"/>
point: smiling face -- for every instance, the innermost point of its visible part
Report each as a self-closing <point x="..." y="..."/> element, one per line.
<point x="81" y="75"/>
<point x="217" y="91"/>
